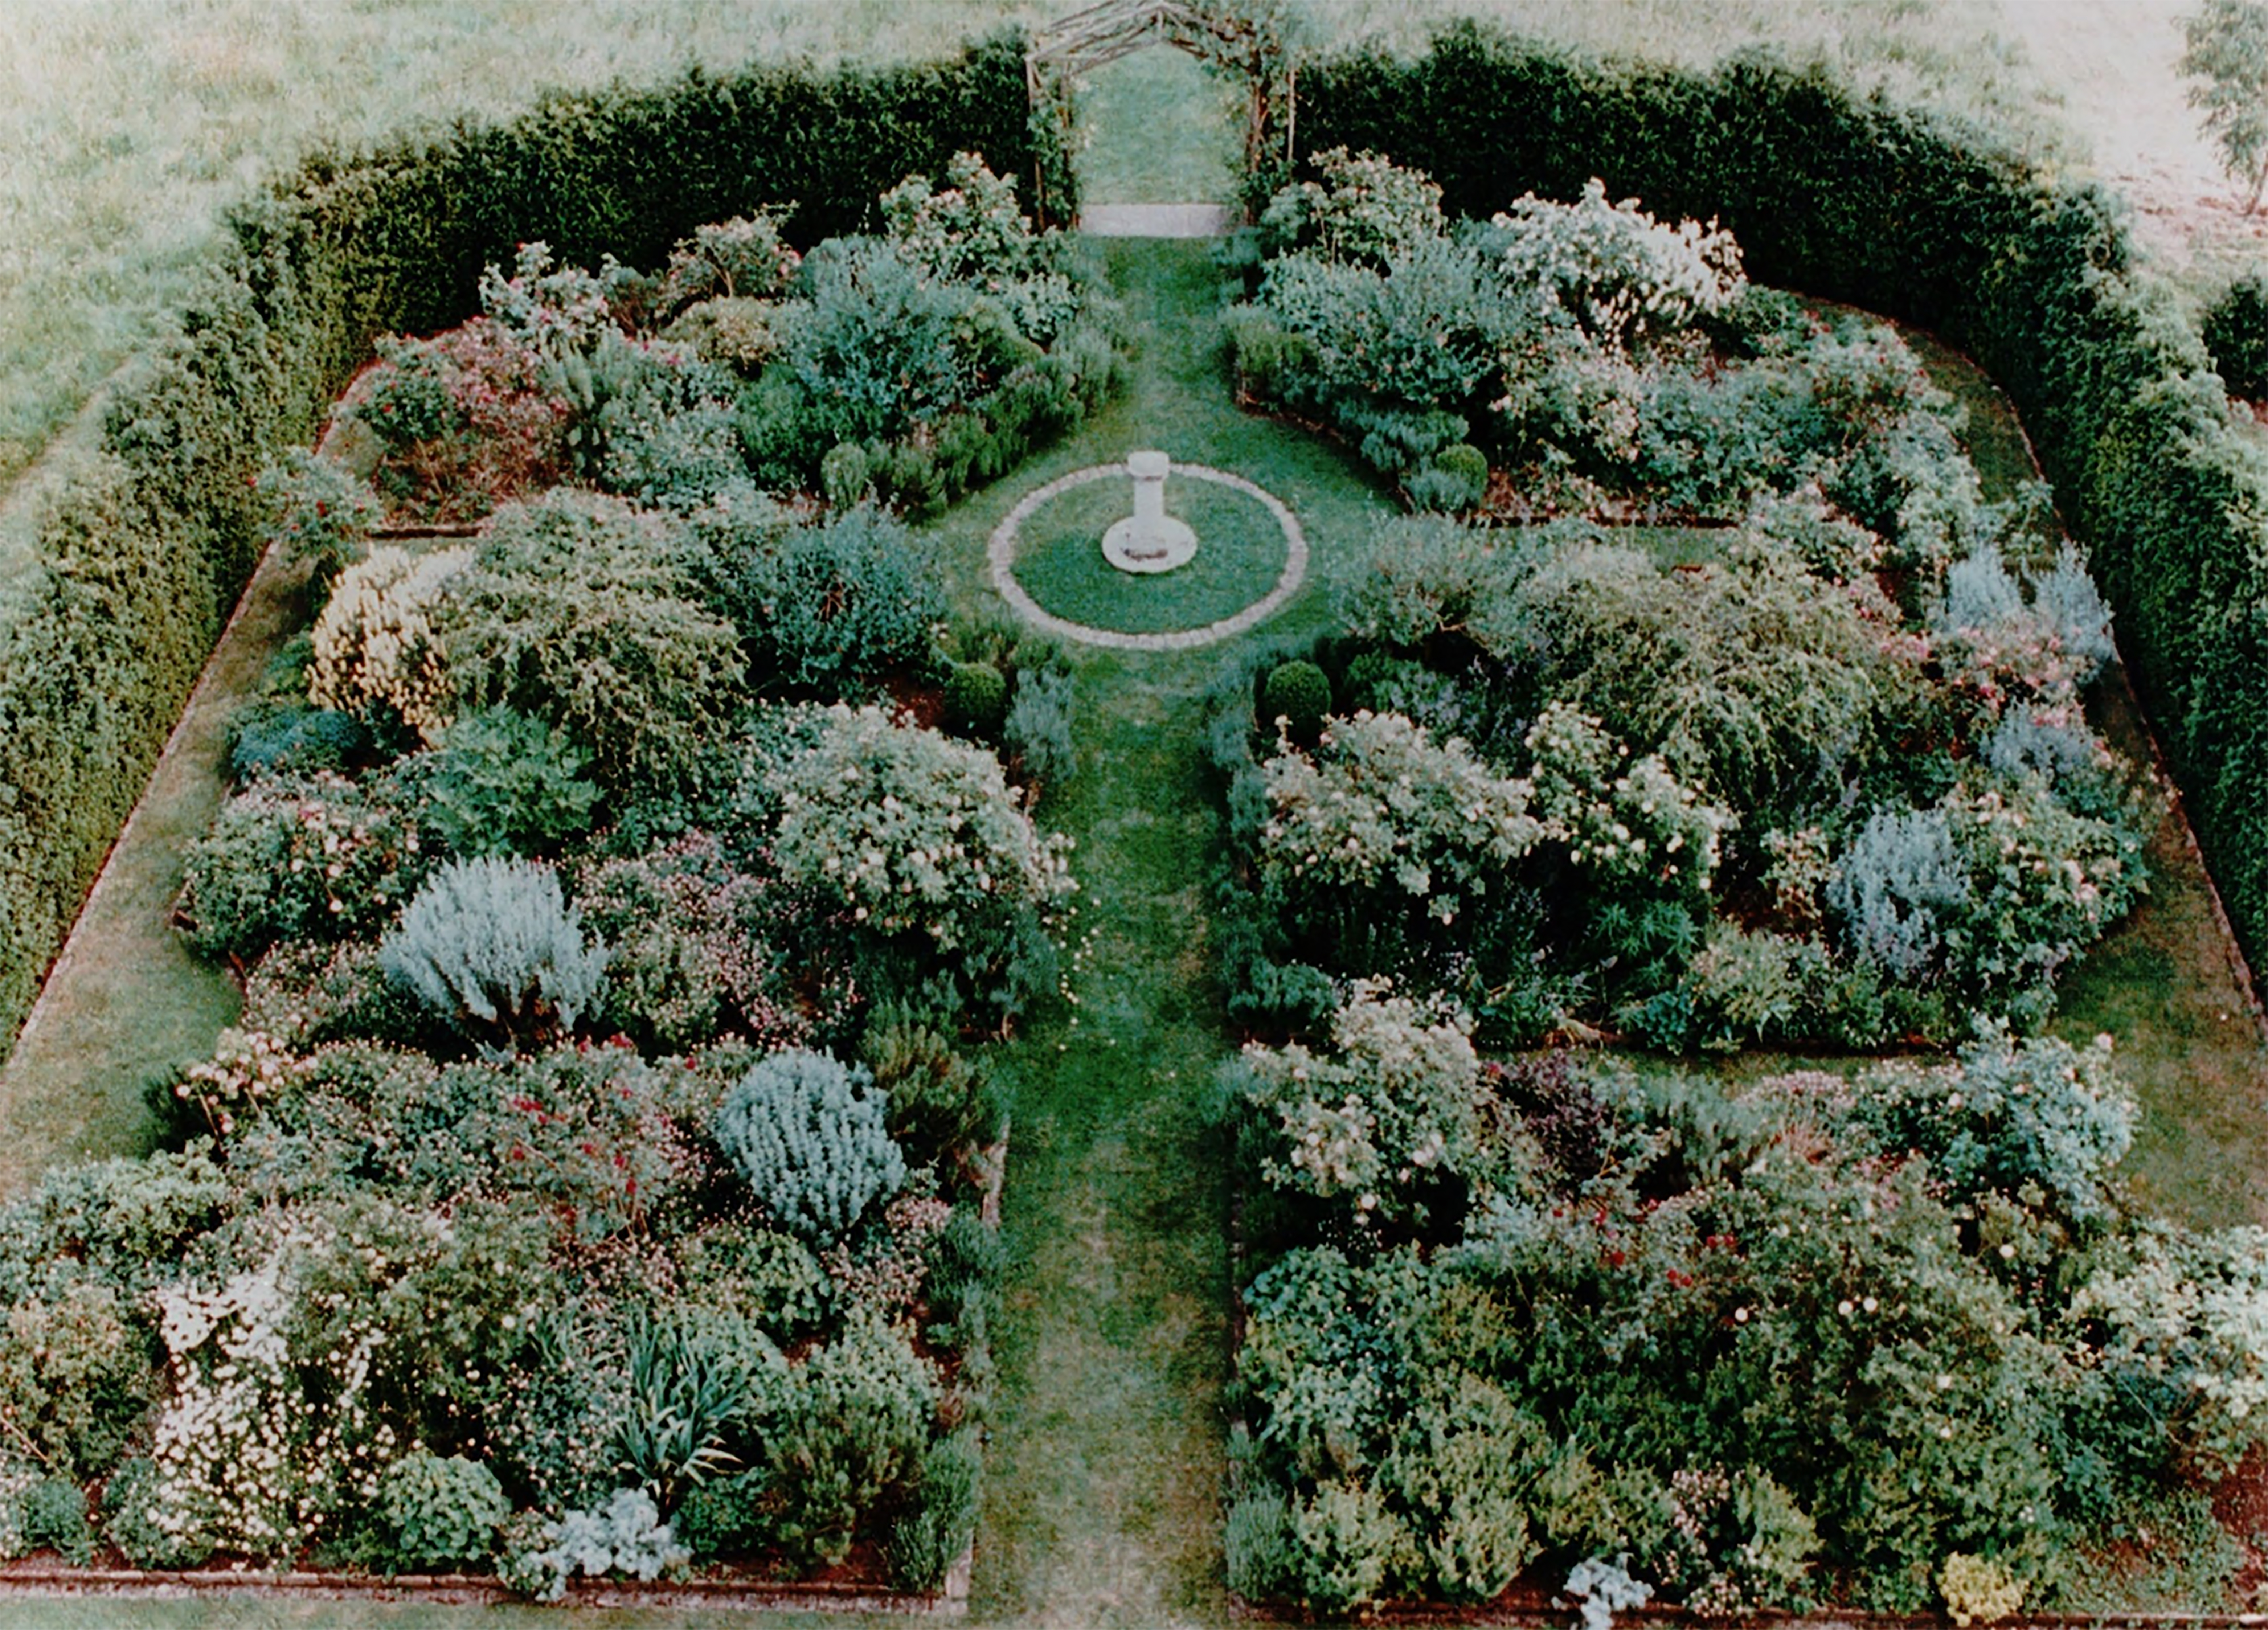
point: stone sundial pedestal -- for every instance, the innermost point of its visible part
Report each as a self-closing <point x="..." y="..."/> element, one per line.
<point x="1149" y="540"/>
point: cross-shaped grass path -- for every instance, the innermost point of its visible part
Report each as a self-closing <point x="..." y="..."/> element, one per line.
<point x="1105" y="1466"/>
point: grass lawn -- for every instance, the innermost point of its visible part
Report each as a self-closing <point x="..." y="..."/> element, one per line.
<point x="1059" y="560"/>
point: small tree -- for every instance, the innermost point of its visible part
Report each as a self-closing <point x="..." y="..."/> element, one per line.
<point x="2228" y="54"/>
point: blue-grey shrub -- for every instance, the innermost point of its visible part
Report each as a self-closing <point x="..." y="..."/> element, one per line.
<point x="809" y="1133"/>
<point x="492" y="948"/>
<point x="1898" y="887"/>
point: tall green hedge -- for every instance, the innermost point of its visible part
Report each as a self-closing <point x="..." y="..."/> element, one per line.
<point x="147" y="542"/>
<point x="1933" y="223"/>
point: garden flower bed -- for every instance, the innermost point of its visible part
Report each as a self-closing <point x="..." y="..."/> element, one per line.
<point x="1817" y="775"/>
<point x="602" y="1181"/>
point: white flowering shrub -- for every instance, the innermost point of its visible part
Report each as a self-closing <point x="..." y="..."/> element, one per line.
<point x="965" y="224"/>
<point x="1627" y="823"/>
<point x="258" y="1448"/>
<point x="1382" y="816"/>
<point x="1379" y="1119"/>
<point x="379" y="649"/>
<point x="1619" y="276"/>
<point x="2187" y="1321"/>
<point x="1366" y="211"/>
<point x="917" y="838"/>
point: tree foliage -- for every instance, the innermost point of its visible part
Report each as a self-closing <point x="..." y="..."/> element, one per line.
<point x="2225" y="51"/>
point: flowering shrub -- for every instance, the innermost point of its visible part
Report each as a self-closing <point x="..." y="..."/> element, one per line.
<point x="250" y="1459"/>
<point x="1626" y="824"/>
<point x="918" y="837"/>
<point x="552" y="309"/>
<point x="1382" y="811"/>
<point x="1377" y="1121"/>
<point x="1613" y="272"/>
<point x="75" y="1375"/>
<point x="690" y="954"/>
<point x="1366" y="211"/>
<point x="467" y="419"/>
<point x="745" y="258"/>
<point x="2001" y="649"/>
<point x="970" y="229"/>
<point x="380" y="653"/>
<point x="319" y="512"/>
<point x="319" y="858"/>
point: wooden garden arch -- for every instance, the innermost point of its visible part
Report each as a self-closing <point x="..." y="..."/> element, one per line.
<point x="1247" y="40"/>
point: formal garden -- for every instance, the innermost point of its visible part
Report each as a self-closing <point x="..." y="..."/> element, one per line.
<point x="1626" y="993"/>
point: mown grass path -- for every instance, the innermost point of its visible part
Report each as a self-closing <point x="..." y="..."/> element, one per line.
<point x="1105" y="1467"/>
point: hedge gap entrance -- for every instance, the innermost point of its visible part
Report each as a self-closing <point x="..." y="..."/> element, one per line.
<point x="1247" y="41"/>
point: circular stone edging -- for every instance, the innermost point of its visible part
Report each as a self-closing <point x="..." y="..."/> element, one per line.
<point x="1001" y="553"/>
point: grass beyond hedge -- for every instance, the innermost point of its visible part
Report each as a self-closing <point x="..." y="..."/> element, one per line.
<point x="131" y="125"/>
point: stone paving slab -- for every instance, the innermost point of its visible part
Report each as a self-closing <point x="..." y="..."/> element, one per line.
<point x="1157" y="220"/>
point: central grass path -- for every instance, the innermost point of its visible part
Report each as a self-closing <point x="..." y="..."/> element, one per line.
<point x="1104" y="1471"/>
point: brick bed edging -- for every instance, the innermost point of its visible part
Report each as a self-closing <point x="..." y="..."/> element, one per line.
<point x="48" y="1581"/>
<point x="1001" y="554"/>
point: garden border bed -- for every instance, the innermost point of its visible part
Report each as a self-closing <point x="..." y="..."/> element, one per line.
<point x="144" y="543"/>
<point x="1935" y="224"/>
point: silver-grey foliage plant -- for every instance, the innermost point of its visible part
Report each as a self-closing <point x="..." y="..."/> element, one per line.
<point x="807" y="1132"/>
<point x="492" y="947"/>
<point x="1897" y="887"/>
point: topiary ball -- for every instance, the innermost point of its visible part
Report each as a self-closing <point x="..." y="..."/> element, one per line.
<point x="1455" y="480"/>
<point x="1299" y="693"/>
<point x="438" y="1512"/>
<point x="975" y="697"/>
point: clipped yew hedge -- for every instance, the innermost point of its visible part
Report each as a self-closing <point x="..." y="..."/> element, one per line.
<point x="148" y="539"/>
<point x="1929" y="221"/>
